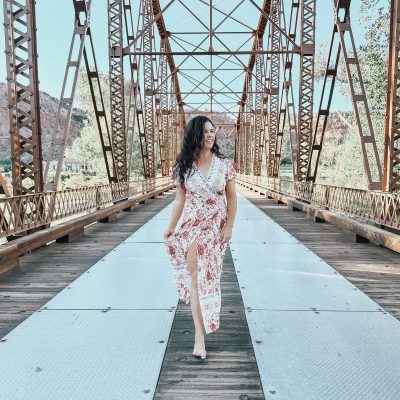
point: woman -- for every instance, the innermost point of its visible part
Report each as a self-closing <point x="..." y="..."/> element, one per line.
<point x="206" y="195"/>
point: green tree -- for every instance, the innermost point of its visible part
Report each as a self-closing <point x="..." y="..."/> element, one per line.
<point x="346" y="167"/>
<point x="88" y="145"/>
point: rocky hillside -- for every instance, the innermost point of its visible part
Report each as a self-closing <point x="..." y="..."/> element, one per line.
<point x="49" y="106"/>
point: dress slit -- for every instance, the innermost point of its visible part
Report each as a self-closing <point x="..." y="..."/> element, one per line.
<point x="195" y="240"/>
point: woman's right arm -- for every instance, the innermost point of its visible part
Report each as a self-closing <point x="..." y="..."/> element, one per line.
<point x="177" y="209"/>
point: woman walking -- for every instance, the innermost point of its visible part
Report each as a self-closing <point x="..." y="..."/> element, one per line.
<point x="206" y="195"/>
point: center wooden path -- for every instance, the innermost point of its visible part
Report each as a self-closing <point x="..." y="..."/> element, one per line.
<point x="230" y="370"/>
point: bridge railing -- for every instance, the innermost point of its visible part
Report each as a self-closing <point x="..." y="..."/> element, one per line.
<point x="368" y="206"/>
<point x="19" y="214"/>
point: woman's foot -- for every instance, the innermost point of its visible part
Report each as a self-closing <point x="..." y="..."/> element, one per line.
<point x="199" y="350"/>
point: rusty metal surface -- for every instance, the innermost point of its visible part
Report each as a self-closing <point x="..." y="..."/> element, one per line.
<point x="162" y="112"/>
<point x="117" y="97"/>
<point x="148" y="73"/>
<point x="306" y="93"/>
<point x="273" y="89"/>
<point x="287" y="118"/>
<point x="260" y="111"/>
<point x="391" y="174"/>
<point x="23" y="96"/>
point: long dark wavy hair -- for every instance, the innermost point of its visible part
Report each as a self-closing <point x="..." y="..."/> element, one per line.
<point x="191" y="146"/>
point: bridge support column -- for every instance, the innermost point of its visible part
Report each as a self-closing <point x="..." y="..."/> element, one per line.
<point x="354" y="237"/>
<point x="8" y="263"/>
<point x="77" y="234"/>
<point x="130" y="208"/>
<point x="108" y="219"/>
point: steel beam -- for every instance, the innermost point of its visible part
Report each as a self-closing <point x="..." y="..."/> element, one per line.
<point x="148" y="73"/>
<point x="249" y="127"/>
<point x="391" y="164"/>
<point x="117" y="99"/>
<point x="23" y="96"/>
<point x="259" y="118"/>
<point x="163" y="114"/>
<point x="273" y="90"/>
<point x="306" y="89"/>
<point x="287" y="116"/>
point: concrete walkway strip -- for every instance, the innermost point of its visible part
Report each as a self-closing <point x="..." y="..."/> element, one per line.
<point x="315" y="335"/>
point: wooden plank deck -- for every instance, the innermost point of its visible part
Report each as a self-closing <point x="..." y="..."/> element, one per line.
<point x="373" y="269"/>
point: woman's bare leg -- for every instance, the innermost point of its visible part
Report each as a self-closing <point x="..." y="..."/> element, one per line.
<point x="191" y="259"/>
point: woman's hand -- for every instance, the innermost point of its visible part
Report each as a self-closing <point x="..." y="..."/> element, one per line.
<point x="226" y="234"/>
<point x="169" y="231"/>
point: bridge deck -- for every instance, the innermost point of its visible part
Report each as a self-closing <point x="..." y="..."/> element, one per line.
<point x="373" y="269"/>
<point x="50" y="269"/>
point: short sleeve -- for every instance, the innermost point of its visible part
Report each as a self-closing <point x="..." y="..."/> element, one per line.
<point x="175" y="176"/>
<point x="232" y="169"/>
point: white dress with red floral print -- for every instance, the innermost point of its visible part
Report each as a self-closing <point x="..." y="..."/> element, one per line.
<point x="203" y="217"/>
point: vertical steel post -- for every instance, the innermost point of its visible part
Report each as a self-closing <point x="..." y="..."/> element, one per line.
<point x="116" y="71"/>
<point x="391" y="164"/>
<point x="273" y="120"/>
<point x="23" y="96"/>
<point x="306" y="93"/>
<point x="149" y="86"/>
<point x="259" y="111"/>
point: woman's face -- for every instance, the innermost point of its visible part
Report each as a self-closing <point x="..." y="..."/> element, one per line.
<point x="208" y="135"/>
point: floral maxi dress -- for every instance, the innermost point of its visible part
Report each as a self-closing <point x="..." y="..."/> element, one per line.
<point x="203" y="217"/>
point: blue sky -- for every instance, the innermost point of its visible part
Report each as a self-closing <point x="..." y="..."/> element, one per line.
<point x="55" y="23"/>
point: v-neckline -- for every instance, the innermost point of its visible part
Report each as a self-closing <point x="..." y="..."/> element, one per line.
<point x="209" y="169"/>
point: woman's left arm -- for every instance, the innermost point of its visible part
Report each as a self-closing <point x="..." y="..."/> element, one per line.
<point x="231" y="199"/>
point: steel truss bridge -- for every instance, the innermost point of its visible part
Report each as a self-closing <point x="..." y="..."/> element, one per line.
<point x="251" y="65"/>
